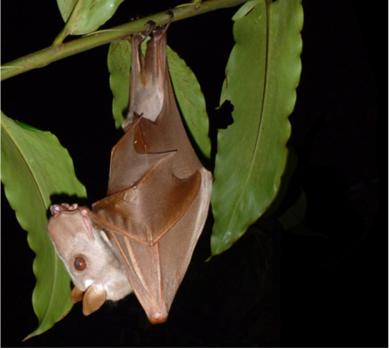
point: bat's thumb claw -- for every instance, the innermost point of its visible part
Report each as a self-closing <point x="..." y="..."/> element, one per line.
<point x="94" y="298"/>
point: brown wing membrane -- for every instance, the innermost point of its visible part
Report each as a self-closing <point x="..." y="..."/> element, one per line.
<point x="158" y="192"/>
<point x="129" y="159"/>
<point x="149" y="208"/>
<point x="155" y="272"/>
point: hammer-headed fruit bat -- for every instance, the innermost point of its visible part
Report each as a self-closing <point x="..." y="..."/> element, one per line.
<point x="142" y="235"/>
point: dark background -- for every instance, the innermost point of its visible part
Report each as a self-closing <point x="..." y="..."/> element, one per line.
<point x="324" y="283"/>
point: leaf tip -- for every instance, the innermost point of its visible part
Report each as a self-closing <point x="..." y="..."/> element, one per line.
<point x="34" y="333"/>
<point x="221" y="243"/>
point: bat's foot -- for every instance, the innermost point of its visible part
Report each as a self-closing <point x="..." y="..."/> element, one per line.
<point x="152" y="29"/>
<point x="171" y="17"/>
<point x="161" y="30"/>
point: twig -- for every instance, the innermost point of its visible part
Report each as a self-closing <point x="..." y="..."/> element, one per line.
<point x="54" y="53"/>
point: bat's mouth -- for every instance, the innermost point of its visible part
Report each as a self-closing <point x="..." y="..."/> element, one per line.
<point x="93" y="298"/>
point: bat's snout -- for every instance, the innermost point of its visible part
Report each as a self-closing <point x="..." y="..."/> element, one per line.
<point x="93" y="298"/>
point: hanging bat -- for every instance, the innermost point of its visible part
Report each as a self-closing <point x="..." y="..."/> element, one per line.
<point x="142" y="235"/>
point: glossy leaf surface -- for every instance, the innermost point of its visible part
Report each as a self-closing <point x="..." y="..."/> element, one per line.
<point x="187" y="91"/>
<point x="261" y="77"/>
<point x="34" y="167"/>
<point x="191" y="100"/>
<point x="119" y="63"/>
<point x="85" y="16"/>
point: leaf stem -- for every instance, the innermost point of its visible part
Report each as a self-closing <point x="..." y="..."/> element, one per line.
<point x="57" y="52"/>
<point x="59" y="39"/>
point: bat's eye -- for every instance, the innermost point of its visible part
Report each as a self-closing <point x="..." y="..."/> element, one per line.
<point x="79" y="263"/>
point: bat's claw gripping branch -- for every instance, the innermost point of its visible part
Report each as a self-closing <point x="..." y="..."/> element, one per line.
<point x="152" y="29"/>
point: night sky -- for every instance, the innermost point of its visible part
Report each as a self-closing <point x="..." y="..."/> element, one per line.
<point x="321" y="284"/>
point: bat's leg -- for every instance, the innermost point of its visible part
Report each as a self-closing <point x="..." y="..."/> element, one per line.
<point x="136" y="55"/>
<point x="156" y="55"/>
<point x="148" y="74"/>
<point x="155" y="58"/>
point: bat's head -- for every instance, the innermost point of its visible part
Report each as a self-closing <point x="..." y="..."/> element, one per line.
<point x="88" y="256"/>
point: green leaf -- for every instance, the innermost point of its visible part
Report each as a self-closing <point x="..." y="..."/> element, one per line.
<point x="261" y="77"/>
<point x="85" y="16"/>
<point x="187" y="90"/>
<point x="191" y="101"/>
<point x="119" y="62"/>
<point x="34" y="167"/>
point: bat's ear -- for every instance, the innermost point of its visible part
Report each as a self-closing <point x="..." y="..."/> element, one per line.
<point x="56" y="209"/>
<point x="93" y="299"/>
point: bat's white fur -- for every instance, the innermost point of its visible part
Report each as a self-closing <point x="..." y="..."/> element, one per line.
<point x="103" y="269"/>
